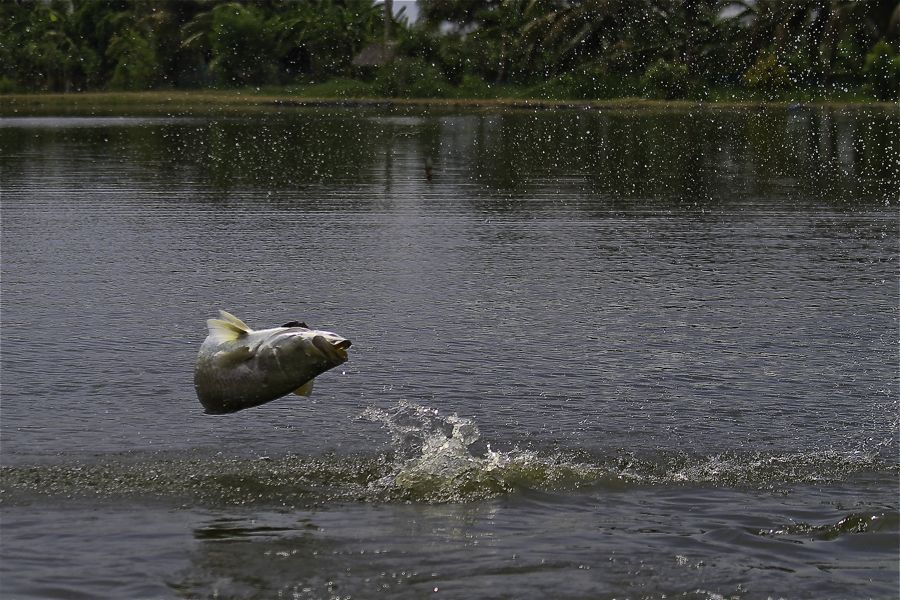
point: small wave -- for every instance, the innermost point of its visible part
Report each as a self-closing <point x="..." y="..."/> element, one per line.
<point x="761" y="469"/>
<point x="432" y="458"/>
<point x="852" y="523"/>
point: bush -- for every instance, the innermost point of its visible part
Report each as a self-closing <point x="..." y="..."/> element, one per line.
<point x="558" y="88"/>
<point x="241" y="46"/>
<point x="454" y="61"/>
<point x="410" y="78"/>
<point x="473" y="86"/>
<point x="665" y="79"/>
<point x="587" y="82"/>
<point x="767" y="75"/>
<point x="7" y="85"/>
<point x="137" y="67"/>
<point x="339" y="87"/>
<point x="883" y="71"/>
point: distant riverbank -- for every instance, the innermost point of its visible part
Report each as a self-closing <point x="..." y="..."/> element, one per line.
<point x="180" y="101"/>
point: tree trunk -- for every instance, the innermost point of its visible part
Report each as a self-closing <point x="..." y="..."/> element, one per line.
<point x="388" y="21"/>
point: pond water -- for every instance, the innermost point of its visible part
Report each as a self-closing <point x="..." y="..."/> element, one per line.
<point x="598" y="354"/>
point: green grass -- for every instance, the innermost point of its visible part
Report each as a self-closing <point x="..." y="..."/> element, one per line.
<point x="340" y="88"/>
<point x="470" y="94"/>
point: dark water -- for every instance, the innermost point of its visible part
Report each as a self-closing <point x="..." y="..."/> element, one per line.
<point x="598" y="355"/>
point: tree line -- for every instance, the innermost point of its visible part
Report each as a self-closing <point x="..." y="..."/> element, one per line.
<point x="556" y="48"/>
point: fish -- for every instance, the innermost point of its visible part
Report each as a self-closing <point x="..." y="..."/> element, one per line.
<point x="238" y="367"/>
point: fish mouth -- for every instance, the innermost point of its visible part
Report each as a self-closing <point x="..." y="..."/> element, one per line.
<point x="335" y="350"/>
<point x="341" y="348"/>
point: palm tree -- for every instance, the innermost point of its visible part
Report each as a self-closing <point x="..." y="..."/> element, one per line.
<point x="810" y="32"/>
<point x="624" y="34"/>
<point x="44" y="53"/>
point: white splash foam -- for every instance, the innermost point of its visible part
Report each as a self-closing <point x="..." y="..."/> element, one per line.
<point x="435" y="459"/>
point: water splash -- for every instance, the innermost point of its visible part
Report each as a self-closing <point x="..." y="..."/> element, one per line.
<point x="436" y="459"/>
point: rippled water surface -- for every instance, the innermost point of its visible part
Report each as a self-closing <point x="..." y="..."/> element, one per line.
<point x="596" y="355"/>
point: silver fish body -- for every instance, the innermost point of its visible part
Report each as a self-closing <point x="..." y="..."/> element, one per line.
<point x="238" y="367"/>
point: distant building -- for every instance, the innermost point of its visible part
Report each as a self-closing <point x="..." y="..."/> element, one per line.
<point x="380" y="53"/>
<point x="375" y="55"/>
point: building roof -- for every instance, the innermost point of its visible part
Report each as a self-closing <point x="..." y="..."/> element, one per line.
<point x="375" y="54"/>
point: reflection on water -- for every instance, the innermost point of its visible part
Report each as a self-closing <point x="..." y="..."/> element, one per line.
<point x="533" y="547"/>
<point x="591" y="158"/>
<point x="248" y="558"/>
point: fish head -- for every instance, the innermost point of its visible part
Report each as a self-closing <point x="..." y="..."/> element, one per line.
<point x="302" y="345"/>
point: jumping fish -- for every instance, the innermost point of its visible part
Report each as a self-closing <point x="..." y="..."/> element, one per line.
<point x="238" y="367"/>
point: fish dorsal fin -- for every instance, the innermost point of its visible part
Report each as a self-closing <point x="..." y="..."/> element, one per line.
<point x="227" y="316"/>
<point x="227" y="329"/>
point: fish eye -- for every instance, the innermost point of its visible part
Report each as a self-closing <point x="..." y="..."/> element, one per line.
<point x="296" y="324"/>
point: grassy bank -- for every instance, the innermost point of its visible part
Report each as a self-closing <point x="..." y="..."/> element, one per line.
<point x="349" y="94"/>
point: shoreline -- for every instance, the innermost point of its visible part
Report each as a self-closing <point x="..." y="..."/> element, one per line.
<point x="181" y="101"/>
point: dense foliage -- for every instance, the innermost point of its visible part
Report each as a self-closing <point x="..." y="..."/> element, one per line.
<point x="555" y="48"/>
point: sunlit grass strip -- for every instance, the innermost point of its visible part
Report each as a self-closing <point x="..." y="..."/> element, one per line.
<point x="323" y="95"/>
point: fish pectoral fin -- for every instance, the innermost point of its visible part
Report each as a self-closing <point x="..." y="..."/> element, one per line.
<point x="305" y="389"/>
<point x="230" y="358"/>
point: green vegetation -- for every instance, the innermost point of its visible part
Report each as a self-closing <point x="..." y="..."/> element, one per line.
<point x="542" y="49"/>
